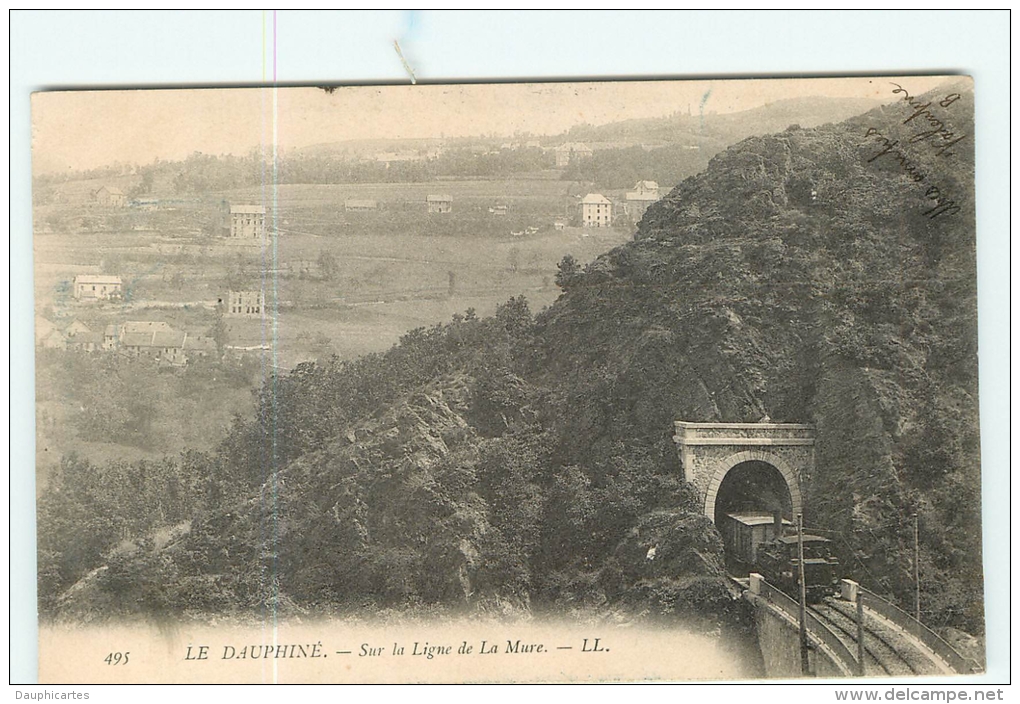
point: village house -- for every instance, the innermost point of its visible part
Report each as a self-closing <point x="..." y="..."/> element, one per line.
<point x="47" y="336"/>
<point x="78" y="336"/>
<point x="76" y="328"/>
<point x="596" y="211"/>
<point x="439" y="204"/>
<point x="200" y="346"/>
<point x="246" y="303"/>
<point x="51" y="340"/>
<point x="157" y="341"/>
<point x="571" y="151"/>
<point x="114" y="334"/>
<point x="360" y="206"/>
<point x="247" y="222"/>
<point x="89" y="287"/>
<point x="109" y="195"/>
<point x="637" y="201"/>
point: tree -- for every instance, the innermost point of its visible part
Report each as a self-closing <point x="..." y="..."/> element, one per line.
<point x="219" y="333"/>
<point x="568" y="271"/>
<point x="329" y="267"/>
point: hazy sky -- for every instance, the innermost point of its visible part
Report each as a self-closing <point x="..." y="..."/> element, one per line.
<point x="78" y="130"/>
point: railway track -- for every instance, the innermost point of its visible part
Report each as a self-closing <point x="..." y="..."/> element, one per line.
<point x="886" y="652"/>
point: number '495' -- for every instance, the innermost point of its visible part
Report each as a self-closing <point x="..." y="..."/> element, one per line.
<point x="117" y="658"/>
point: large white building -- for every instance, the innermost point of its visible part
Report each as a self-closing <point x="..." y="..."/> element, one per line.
<point x="246" y="303"/>
<point x="97" y="287"/>
<point x="247" y="222"/>
<point x="596" y="211"/>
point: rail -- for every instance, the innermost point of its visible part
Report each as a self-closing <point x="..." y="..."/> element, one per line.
<point x="932" y="640"/>
<point x="842" y="656"/>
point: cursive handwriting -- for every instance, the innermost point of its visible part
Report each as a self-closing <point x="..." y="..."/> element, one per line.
<point x="942" y="204"/>
<point x="933" y="129"/>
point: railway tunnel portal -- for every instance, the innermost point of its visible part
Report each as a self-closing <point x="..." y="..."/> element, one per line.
<point x="747" y="467"/>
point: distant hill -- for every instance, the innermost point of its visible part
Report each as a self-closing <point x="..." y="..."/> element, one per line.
<point x="725" y="128"/>
<point x="710" y="129"/>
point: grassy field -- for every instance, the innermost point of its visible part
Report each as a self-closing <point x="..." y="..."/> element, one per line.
<point x="392" y="269"/>
<point x="336" y="283"/>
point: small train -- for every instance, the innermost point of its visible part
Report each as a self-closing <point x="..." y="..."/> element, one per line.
<point x="763" y="543"/>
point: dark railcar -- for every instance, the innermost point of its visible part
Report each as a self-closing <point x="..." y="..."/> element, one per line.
<point x="744" y="533"/>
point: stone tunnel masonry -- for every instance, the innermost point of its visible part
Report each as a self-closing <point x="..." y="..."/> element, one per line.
<point x="708" y="451"/>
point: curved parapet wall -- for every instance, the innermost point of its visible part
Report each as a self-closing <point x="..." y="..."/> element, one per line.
<point x="708" y="451"/>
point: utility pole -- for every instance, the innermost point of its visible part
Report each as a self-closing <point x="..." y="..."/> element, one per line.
<point x="805" y="666"/>
<point x="917" y="573"/>
<point x="860" y="633"/>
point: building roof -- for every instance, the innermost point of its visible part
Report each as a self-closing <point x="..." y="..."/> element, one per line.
<point x="77" y="327"/>
<point x="438" y="198"/>
<point x="97" y="279"/>
<point x="52" y="336"/>
<point x="155" y="338"/>
<point x="112" y="190"/>
<point x="644" y="191"/>
<point x="199" y="342"/>
<point x="131" y="327"/>
<point x="145" y="325"/>
<point x="595" y="199"/>
<point x="43" y="327"/>
<point x="247" y="210"/>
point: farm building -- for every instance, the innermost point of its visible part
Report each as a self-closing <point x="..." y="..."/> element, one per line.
<point x="198" y="346"/>
<point x="571" y="151"/>
<point x="644" y="194"/>
<point x="99" y="287"/>
<point x="499" y="210"/>
<point x="114" y="334"/>
<point x="360" y="206"/>
<point x="439" y="204"/>
<point x="159" y="342"/>
<point x="85" y="342"/>
<point x="246" y="303"/>
<point x="596" y="211"/>
<point x="47" y="335"/>
<point x="109" y="195"/>
<point x="76" y="328"/>
<point x="247" y="222"/>
<point x="79" y="337"/>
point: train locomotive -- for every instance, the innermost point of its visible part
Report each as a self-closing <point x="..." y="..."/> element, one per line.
<point x="763" y="544"/>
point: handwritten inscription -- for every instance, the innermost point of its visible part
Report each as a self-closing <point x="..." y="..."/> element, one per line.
<point x="932" y="131"/>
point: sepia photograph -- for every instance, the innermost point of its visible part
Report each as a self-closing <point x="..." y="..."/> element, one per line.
<point x="514" y="382"/>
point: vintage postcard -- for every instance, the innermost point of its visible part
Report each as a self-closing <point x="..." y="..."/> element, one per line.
<point x="599" y="381"/>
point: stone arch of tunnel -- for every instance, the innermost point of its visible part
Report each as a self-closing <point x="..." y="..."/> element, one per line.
<point x="753" y="482"/>
<point x="730" y="460"/>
